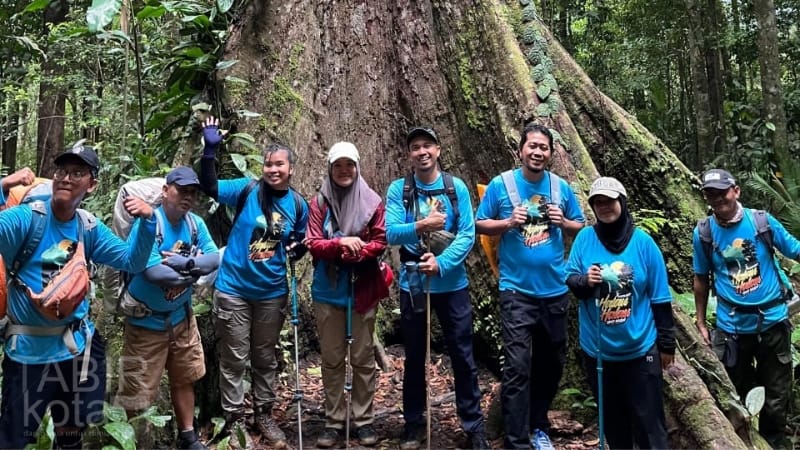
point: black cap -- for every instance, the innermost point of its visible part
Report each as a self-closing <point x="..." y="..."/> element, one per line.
<point x="421" y="131"/>
<point x="183" y="176"/>
<point x="718" y="179"/>
<point x="84" y="154"/>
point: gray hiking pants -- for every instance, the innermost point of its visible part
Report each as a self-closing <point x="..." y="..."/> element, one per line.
<point x="247" y="329"/>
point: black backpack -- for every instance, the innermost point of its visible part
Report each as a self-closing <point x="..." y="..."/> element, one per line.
<point x="410" y="192"/>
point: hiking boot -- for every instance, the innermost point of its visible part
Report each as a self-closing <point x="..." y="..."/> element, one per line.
<point x="477" y="440"/>
<point x="328" y="438"/>
<point x="367" y="435"/>
<point x="413" y="436"/>
<point x="239" y="438"/>
<point x="189" y="440"/>
<point x="540" y="440"/>
<point x="269" y="430"/>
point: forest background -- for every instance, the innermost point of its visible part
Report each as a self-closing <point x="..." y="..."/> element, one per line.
<point x="649" y="91"/>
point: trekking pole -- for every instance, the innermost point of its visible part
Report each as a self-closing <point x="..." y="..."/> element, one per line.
<point x="298" y="392"/>
<point x="601" y="441"/>
<point x="348" y="369"/>
<point x="428" y="361"/>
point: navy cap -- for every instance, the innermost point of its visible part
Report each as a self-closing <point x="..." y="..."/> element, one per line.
<point x="421" y="132"/>
<point x="84" y="154"/>
<point x="183" y="176"/>
<point x="718" y="179"/>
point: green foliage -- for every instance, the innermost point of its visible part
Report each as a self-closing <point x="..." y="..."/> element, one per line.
<point x="45" y="435"/>
<point x="580" y="400"/>
<point x="529" y="13"/>
<point x="538" y="72"/>
<point x="650" y="220"/>
<point x="529" y="34"/>
<point x="781" y="195"/>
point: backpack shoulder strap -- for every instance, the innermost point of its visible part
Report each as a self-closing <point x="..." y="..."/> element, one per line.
<point x="555" y="188"/>
<point x="704" y="230"/>
<point x="450" y="191"/>
<point x="32" y="238"/>
<point x="299" y="202"/>
<point x="159" y="227"/>
<point x="763" y="230"/>
<point x="511" y="187"/>
<point x="242" y="198"/>
<point x="88" y="220"/>
<point x="192" y="224"/>
<point x="409" y="189"/>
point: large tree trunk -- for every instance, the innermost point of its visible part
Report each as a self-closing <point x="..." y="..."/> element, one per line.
<point x="52" y="100"/>
<point x="771" y="89"/>
<point x="701" y="98"/>
<point x="367" y="71"/>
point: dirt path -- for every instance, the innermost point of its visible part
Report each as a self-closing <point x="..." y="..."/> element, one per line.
<point x="446" y="432"/>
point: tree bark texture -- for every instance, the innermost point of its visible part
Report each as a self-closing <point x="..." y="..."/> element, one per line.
<point x="701" y="98"/>
<point x="474" y="70"/>
<point x="52" y="101"/>
<point x="771" y="89"/>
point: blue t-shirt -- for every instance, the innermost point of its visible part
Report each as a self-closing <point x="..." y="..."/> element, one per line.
<point x="531" y="257"/>
<point x="744" y="272"/>
<point x="324" y="290"/>
<point x="171" y="300"/>
<point x="253" y="266"/>
<point x="400" y="231"/>
<point x="632" y="281"/>
<point x="101" y="247"/>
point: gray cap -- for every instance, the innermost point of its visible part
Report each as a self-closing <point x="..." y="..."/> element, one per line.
<point x="609" y="187"/>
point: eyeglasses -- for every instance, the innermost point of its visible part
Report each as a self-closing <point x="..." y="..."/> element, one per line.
<point x="75" y="175"/>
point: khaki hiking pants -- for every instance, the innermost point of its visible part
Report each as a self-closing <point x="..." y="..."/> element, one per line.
<point x="331" y="321"/>
<point x="247" y="329"/>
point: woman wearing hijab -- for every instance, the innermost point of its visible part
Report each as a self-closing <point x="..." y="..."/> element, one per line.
<point x="618" y="272"/>
<point x="346" y="236"/>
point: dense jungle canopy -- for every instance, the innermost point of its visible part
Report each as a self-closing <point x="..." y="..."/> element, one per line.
<point x="648" y="91"/>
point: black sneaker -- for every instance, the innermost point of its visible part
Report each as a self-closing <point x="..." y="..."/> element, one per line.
<point x="328" y="438"/>
<point x="413" y="436"/>
<point x="367" y="435"/>
<point x="189" y="440"/>
<point x="478" y="441"/>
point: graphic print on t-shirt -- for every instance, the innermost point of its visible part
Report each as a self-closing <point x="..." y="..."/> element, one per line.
<point x="615" y="292"/>
<point x="744" y="271"/>
<point x="424" y="208"/>
<point x="266" y="237"/>
<point x="56" y="257"/>
<point x="536" y="230"/>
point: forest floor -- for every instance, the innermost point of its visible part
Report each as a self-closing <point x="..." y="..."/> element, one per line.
<point x="446" y="431"/>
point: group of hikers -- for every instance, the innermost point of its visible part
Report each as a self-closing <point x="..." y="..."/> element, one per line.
<point x="55" y="358"/>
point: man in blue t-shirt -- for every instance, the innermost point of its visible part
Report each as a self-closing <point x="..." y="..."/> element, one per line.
<point x="420" y="228"/>
<point x="251" y="287"/>
<point x="753" y="334"/>
<point x="59" y="363"/>
<point x="533" y="293"/>
<point x="161" y="331"/>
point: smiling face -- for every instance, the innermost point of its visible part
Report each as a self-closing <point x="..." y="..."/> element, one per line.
<point x="72" y="180"/>
<point x="344" y="172"/>
<point x="606" y="209"/>
<point x="277" y="169"/>
<point x="536" y="152"/>
<point x="723" y="201"/>
<point x="423" y="153"/>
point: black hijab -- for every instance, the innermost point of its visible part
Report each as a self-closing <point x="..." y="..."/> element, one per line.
<point x="615" y="235"/>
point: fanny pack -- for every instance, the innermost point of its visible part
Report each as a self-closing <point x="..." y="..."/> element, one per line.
<point x="66" y="290"/>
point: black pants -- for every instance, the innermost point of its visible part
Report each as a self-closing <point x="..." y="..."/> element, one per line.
<point x="763" y="359"/>
<point x="534" y="343"/>
<point x="454" y="311"/>
<point x="633" y="400"/>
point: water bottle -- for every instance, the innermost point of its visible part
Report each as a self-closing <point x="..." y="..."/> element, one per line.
<point x="415" y="286"/>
